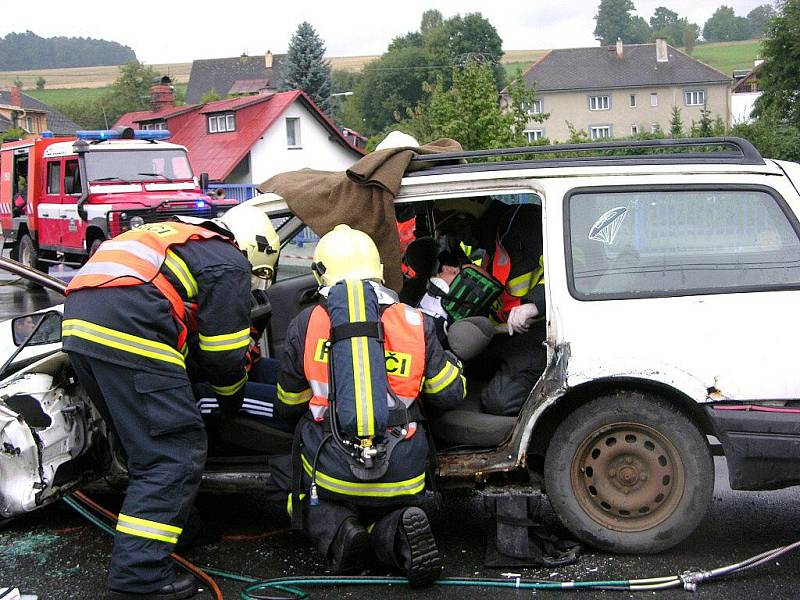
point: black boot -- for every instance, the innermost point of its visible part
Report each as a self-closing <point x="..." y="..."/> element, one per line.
<point x="418" y="548"/>
<point x="348" y="550"/>
<point x="185" y="586"/>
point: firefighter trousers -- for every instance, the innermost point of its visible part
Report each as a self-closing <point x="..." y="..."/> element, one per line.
<point x="512" y="365"/>
<point x="322" y="522"/>
<point x="161" y="432"/>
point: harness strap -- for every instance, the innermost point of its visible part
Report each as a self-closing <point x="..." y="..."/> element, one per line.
<point x="370" y="329"/>
<point x="297" y="476"/>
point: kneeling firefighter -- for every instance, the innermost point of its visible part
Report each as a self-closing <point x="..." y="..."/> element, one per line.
<point x="354" y="372"/>
<point x="145" y="303"/>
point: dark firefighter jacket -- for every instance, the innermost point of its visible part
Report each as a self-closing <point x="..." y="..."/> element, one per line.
<point x="219" y="285"/>
<point x="443" y="388"/>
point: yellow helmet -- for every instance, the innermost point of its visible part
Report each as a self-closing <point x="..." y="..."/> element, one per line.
<point x="255" y="236"/>
<point x="346" y="253"/>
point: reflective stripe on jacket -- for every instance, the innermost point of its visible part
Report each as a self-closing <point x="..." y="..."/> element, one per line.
<point x="515" y="288"/>
<point x="134" y="258"/>
<point x="404" y="355"/>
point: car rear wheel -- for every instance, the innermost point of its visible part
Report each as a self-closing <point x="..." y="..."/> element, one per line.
<point x="629" y="473"/>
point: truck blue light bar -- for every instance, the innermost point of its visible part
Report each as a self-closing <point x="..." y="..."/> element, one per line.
<point x="125" y="133"/>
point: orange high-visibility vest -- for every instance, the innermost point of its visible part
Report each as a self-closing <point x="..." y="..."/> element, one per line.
<point x="404" y="346"/>
<point x="516" y="288"/>
<point x="136" y="257"/>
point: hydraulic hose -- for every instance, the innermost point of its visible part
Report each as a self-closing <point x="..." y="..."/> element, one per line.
<point x="290" y="587"/>
<point x="78" y="499"/>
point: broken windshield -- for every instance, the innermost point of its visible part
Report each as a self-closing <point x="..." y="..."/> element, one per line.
<point x="138" y="165"/>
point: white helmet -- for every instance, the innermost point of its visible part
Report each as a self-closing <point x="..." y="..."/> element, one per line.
<point x="255" y="236"/>
<point x="397" y="139"/>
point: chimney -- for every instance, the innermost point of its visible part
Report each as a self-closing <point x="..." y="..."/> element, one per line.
<point x="268" y="60"/>
<point x="16" y="96"/>
<point x="662" y="54"/>
<point x="162" y="94"/>
<point x="620" y="48"/>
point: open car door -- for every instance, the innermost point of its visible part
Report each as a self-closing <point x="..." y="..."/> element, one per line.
<point x="48" y="425"/>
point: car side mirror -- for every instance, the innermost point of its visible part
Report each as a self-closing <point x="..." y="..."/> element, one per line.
<point x="203" y="181"/>
<point x="45" y="327"/>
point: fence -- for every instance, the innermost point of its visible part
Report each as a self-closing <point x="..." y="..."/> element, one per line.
<point x="239" y="192"/>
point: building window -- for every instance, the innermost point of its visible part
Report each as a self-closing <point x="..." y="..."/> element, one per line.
<point x="599" y="132"/>
<point x="29" y="124"/>
<point x="535" y="108"/>
<point x="654" y="99"/>
<point x="156" y="125"/>
<point x="633" y="100"/>
<point x="634" y="130"/>
<point x="221" y="123"/>
<point x="293" y="132"/>
<point x="694" y="97"/>
<point x="54" y="178"/>
<point x="533" y="135"/>
<point x="599" y="102"/>
<point x="655" y="127"/>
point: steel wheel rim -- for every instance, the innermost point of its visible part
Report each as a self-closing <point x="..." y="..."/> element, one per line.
<point x="627" y="477"/>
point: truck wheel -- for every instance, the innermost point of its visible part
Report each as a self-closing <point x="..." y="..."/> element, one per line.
<point x="94" y="246"/>
<point x="29" y="256"/>
<point x="629" y="473"/>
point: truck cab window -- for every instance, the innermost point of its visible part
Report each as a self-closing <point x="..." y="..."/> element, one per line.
<point x="54" y="178"/>
<point x="72" y="178"/>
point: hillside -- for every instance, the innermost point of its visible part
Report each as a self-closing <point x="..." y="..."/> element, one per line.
<point x="729" y="56"/>
<point x="724" y="56"/>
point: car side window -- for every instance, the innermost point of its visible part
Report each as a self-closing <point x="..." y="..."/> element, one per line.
<point x="679" y="242"/>
<point x="296" y="256"/>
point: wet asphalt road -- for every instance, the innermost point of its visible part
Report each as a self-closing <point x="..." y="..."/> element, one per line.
<point x="56" y="554"/>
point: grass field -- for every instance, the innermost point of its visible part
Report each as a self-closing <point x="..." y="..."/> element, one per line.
<point x="63" y="85"/>
<point x="729" y="56"/>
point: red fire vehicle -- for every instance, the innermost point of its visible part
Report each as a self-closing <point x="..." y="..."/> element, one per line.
<point x="61" y="197"/>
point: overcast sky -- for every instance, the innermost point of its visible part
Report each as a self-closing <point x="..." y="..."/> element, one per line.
<point x="164" y="31"/>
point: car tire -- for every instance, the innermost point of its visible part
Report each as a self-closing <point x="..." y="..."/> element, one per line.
<point x="629" y="473"/>
<point x="28" y="255"/>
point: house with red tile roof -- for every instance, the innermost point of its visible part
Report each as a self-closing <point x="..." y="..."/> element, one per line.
<point x="248" y="139"/>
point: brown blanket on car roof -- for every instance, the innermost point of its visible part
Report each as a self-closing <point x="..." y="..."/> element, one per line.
<point x="361" y="197"/>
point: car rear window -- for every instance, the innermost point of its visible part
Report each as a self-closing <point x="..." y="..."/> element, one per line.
<point x="679" y="242"/>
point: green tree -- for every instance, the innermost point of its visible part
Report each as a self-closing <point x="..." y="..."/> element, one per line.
<point x="40" y="83"/>
<point x="667" y="24"/>
<point x="676" y="123"/>
<point x="469" y="111"/>
<point x="17" y="82"/>
<point x="779" y="76"/>
<point x="689" y="39"/>
<point x="394" y="83"/>
<point x="759" y="18"/>
<point x="724" y="26"/>
<point x="306" y="68"/>
<point x="705" y="128"/>
<point x="614" y="20"/>
<point x="12" y="134"/>
<point x="772" y="135"/>
<point x="431" y="19"/>
<point x="211" y="95"/>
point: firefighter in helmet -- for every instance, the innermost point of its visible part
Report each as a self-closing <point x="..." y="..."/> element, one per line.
<point x="143" y="304"/>
<point x="355" y="370"/>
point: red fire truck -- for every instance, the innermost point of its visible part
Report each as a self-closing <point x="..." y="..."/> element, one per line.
<point x="61" y="197"/>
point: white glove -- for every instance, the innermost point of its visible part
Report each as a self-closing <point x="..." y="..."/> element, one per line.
<point x="521" y="317"/>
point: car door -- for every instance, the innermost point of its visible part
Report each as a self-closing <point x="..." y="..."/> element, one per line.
<point x="73" y="228"/>
<point x="49" y="221"/>
<point x="295" y="287"/>
<point x="691" y="284"/>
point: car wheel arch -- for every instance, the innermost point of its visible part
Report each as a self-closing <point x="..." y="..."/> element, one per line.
<point x="544" y="427"/>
